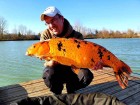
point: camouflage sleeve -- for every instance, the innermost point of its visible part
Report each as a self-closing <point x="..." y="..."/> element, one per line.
<point x="45" y="35"/>
<point x="78" y="35"/>
<point x="42" y="36"/>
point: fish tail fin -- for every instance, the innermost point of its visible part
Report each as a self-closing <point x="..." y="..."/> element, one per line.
<point x="122" y="73"/>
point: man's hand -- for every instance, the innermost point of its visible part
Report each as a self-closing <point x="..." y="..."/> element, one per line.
<point x="50" y="63"/>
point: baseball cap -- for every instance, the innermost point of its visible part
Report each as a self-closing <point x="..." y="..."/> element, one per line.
<point x="50" y="11"/>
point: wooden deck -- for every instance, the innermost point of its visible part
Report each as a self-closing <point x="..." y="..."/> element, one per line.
<point x="104" y="81"/>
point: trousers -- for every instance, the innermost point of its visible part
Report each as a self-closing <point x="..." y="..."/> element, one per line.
<point x="54" y="78"/>
<point x="71" y="99"/>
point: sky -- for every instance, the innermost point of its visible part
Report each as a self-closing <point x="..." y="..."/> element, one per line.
<point x="114" y="15"/>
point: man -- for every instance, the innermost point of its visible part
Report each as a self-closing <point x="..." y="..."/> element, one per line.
<point x="55" y="74"/>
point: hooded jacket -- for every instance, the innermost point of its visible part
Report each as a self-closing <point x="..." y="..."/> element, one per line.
<point x="68" y="32"/>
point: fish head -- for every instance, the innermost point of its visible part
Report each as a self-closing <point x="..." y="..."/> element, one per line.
<point x="38" y="49"/>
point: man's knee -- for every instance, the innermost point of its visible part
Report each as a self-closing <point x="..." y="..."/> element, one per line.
<point x="47" y="76"/>
<point x="85" y="76"/>
<point x="87" y="73"/>
<point x="51" y="79"/>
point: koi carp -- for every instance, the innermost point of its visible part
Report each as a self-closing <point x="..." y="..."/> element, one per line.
<point x="80" y="54"/>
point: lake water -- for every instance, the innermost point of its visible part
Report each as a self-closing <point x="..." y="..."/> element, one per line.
<point x="15" y="67"/>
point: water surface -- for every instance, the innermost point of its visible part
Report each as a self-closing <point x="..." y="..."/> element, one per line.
<point x="15" y="67"/>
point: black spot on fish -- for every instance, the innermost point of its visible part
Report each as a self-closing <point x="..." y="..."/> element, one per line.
<point x="94" y="45"/>
<point x="92" y="60"/>
<point x="78" y="46"/>
<point x="104" y="50"/>
<point x="86" y="42"/>
<point x="64" y="50"/>
<point x="108" y="57"/>
<point x="100" y="53"/>
<point x="59" y="46"/>
<point x="34" y="46"/>
<point x="76" y="41"/>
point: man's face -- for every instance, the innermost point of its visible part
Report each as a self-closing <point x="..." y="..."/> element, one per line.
<point x="55" y="24"/>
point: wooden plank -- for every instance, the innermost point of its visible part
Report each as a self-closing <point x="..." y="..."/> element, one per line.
<point x="131" y="99"/>
<point x="97" y="87"/>
<point x="21" y="84"/>
<point x="116" y="88"/>
<point x="28" y="89"/>
<point x="22" y="91"/>
<point x="104" y="81"/>
<point x="128" y="92"/>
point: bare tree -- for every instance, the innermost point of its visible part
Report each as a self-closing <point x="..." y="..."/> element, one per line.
<point x="22" y="29"/>
<point x="105" y="33"/>
<point x="15" y="31"/>
<point x="130" y="32"/>
<point x="3" y="25"/>
<point x="78" y="26"/>
<point x="29" y="32"/>
<point x="84" y="30"/>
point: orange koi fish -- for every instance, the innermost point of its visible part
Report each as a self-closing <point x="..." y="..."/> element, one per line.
<point x="80" y="54"/>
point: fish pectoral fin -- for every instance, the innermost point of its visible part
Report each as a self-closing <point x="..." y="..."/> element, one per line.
<point x="45" y="57"/>
<point x="98" y="65"/>
<point x="75" y="69"/>
<point x="64" y="60"/>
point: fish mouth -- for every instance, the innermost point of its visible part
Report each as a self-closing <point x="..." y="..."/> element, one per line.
<point x="27" y="53"/>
